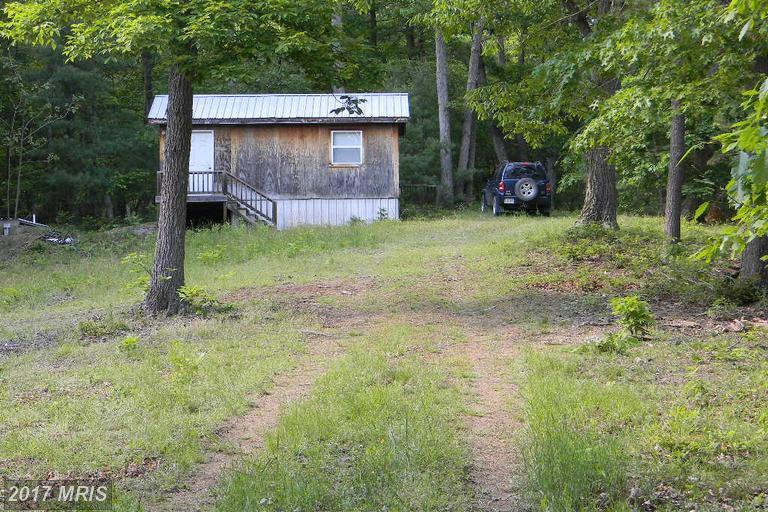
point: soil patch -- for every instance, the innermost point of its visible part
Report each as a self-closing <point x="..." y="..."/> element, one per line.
<point x="496" y="469"/>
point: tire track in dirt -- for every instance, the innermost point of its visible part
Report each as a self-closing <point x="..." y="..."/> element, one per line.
<point x="496" y="467"/>
<point x="246" y="433"/>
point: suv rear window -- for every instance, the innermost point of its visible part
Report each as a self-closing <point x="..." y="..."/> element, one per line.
<point x="526" y="170"/>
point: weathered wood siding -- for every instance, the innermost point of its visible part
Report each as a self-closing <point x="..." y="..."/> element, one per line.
<point x="334" y="212"/>
<point x="294" y="161"/>
<point x="291" y="164"/>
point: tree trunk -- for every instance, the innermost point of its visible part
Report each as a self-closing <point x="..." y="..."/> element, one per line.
<point x="470" y="118"/>
<point x="410" y="42"/>
<point x="675" y="178"/>
<point x="523" y="150"/>
<point x="551" y="170"/>
<point x="441" y="79"/>
<point x="337" y="22"/>
<point x="168" y="272"/>
<point x="600" y="198"/>
<point x="502" y="55"/>
<point x="9" y="149"/>
<point x="498" y="144"/>
<point x="8" y="183"/>
<point x="109" y="207"/>
<point x="18" y="173"/>
<point x="147" y="65"/>
<point x="469" y="183"/>
<point x="472" y="153"/>
<point x="752" y="265"/>
<point x="373" y="26"/>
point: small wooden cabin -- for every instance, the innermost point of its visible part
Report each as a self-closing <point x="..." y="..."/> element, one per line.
<point x="289" y="160"/>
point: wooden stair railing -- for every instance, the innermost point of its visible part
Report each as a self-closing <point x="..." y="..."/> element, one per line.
<point x="249" y="199"/>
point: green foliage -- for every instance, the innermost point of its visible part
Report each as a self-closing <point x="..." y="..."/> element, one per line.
<point x="129" y="345"/>
<point x="634" y="314"/>
<point x="615" y="343"/>
<point x="721" y="309"/>
<point x="184" y="362"/>
<point x="92" y="158"/>
<point x="587" y="242"/>
<point x="9" y="296"/>
<point x="101" y="327"/>
<point x="200" y="301"/>
<point x="748" y="188"/>
<point x="213" y="255"/>
<point x="640" y="254"/>
<point x="139" y="266"/>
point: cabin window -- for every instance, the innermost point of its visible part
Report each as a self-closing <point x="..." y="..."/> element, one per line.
<point x="347" y="147"/>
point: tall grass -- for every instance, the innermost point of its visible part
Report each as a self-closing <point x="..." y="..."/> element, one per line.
<point x="574" y="455"/>
<point x="379" y="433"/>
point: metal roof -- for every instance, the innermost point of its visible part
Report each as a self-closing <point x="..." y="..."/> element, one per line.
<point x="287" y="108"/>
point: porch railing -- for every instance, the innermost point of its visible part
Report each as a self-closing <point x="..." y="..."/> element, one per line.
<point x="200" y="182"/>
<point x="233" y="188"/>
<point x="252" y="200"/>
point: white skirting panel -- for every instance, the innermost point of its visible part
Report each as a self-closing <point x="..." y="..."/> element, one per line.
<point x="334" y="212"/>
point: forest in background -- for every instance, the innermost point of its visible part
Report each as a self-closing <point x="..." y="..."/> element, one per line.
<point x="555" y="81"/>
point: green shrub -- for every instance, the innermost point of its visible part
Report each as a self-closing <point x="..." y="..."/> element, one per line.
<point x="101" y="327"/>
<point x="200" y="301"/>
<point x="722" y="308"/>
<point x="129" y="345"/>
<point x="139" y="266"/>
<point x="616" y="343"/>
<point x="634" y="314"/>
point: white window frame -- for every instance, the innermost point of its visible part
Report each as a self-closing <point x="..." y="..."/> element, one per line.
<point x="361" y="147"/>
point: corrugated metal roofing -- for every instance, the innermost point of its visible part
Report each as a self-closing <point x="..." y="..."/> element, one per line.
<point x="287" y="108"/>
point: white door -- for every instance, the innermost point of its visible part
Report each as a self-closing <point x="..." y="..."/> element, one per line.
<point x="201" y="163"/>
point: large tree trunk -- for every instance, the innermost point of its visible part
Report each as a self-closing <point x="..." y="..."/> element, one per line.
<point x="168" y="272"/>
<point x="600" y="198"/>
<point x="673" y="201"/>
<point x="441" y="79"/>
<point x="752" y="265"/>
<point x="468" y="126"/>
<point x="147" y="65"/>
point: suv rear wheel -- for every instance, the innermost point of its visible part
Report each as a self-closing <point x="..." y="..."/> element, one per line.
<point x="526" y="189"/>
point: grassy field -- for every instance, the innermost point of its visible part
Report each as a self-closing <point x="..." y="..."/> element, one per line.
<point x="673" y="420"/>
